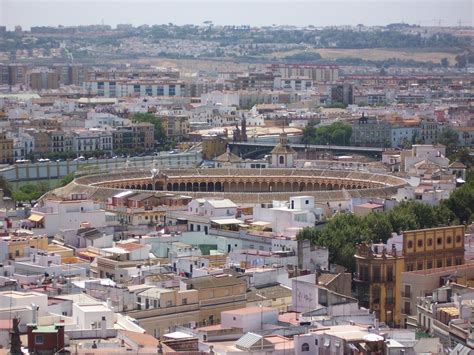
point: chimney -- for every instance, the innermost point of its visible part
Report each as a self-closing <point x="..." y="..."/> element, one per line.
<point x="34" y="309"/>
<point x="103" y="329"/>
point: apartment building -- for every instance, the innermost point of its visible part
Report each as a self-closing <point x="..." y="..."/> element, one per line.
<point x="370" y="131"/>
<point x="6" y="149"/>
<point x="40" y="79"/>
<point x="379" y="267"/>
<point x="317" y="73"/>
<point x="61" y="141"/>
<point x="176" y="127"/>
<point x="134" y="87"/>
<point x="135" y="136"/>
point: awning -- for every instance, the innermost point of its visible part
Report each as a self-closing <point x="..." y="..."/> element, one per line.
<point x="227" y="221"/>
<point x="36" y="218"/>
<point x="260" y="224"/>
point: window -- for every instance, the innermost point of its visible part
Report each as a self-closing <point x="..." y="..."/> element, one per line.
<point x="185" y="301"/>
<point x="316" y="342"/>
<point x="389" y="273"/>
<point x="410" y="244"/>
<point x="439" y="241"/>
<point x="449" y="240"/>
<point x="439" y="263"/>
<point x="305" y="347"/>
<point x="39" y="340"/>
<point x="430" y="242"/>
<point x="458" y="239"/>
<point x="376" y="273"/>
<point x="429" y="265"/>
<point x="282" y="159"/>
<point x="420" y="243"/>
<point x="419" y="266"/>
<point x="17" y="253"/>
<point x="448" y="262"/>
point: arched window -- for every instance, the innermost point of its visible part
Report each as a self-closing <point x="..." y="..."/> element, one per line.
<point x="305" y="347"/>
<point x="282" y="159"/>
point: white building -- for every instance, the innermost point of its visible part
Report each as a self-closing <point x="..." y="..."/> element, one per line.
<point x="401" y="134"/>
<point x="138" y="88"/>
<point x="103" y="119"/>
<point x="250" y="318"/>
<point x="55" y="215"/>
<point x="92" y="316"/>
<point x="288" y="217"/>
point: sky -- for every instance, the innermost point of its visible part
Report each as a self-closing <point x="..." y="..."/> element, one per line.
<point x="29" y="13"/>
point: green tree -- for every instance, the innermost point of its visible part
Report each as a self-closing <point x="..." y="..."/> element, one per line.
<point x="449" y="137"/>
<point x="337" y="133"/>
<point x="444" y="62"/>
<point x="5" y="186"/>
<point x="67" y="179"/>
<point x="461" y="202"/>
<point x="30" y="192"/>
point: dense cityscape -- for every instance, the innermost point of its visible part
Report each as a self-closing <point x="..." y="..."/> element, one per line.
<point x="208" y="189"/>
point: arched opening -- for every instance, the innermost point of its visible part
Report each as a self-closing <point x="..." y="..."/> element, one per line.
<point x="218" y="186"/>
<point x="248" y="186"/>
<point x="264" y="186"/>
<point x="189" y="186"/>
<point x="288" y="186"/>
<point x="169" y="187"/>
<point x="329" y="186"/>
<point x="182" y="186"/>
<point x="233" y="186"/>
<point x="132" y="187"/>
<point x="149" y="187"/>
<point x="323" y="186"/>
<point x="281" y="160"/>
<point x="210" y="186"/>
<point x="175" y="186"/>
<point x="195" y="186"/>
<point x="305" y="347"/>
<point x="336" y="187"/>
<point x="354" y="187"/>
<point x="158" y="186"/>
<point x="202" y="187"/>
<point x="279" y="186"/>
<point x="144" y="187"/>
<point x="241" y="186"/>
<point x="295" y="186"/>
<point x="127" y="186"/>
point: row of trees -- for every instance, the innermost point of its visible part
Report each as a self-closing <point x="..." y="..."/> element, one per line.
<point x="337" y="133"/>
<point x="328" y="37"/>
<point x="344" y="231"/>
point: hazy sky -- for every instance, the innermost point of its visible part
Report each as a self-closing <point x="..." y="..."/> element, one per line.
<point x="264" y="12"/>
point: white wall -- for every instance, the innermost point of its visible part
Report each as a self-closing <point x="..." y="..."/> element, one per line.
<point x="249" y="322"/>
<point x="305" y="296"/>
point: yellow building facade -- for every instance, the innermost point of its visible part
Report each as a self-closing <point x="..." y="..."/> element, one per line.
<point x="378" y="268"/>
<point x="17" y="245"/>
<point x="6" y="149"/>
